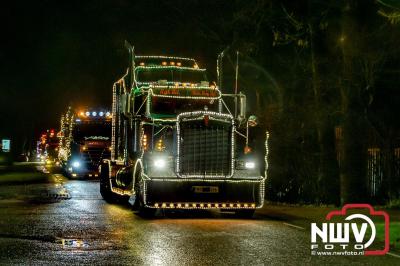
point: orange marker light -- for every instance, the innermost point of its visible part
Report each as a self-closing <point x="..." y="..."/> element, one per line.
<point x="247" y="150"/>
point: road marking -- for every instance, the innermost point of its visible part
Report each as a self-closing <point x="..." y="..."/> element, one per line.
<point x="394" y="255"/>
<point x="295" y="226"/>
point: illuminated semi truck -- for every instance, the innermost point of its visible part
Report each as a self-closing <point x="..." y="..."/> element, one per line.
<point x="85" y="141"/>
<point x="176" y="145"/>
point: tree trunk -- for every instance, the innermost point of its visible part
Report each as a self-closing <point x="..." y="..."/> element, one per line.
<point x="353" y="166"/>
<point x="353" y="171"/>
<point x="327" y="167"/>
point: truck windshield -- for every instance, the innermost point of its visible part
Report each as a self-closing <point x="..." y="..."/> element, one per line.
<point x="98" y="130"/>
<point x="172" y="75"/>
<point x="172" y="107"/>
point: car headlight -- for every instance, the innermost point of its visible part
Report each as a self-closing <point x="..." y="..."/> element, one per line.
<point x="76" y="164"/>
<point x="160" y="163"/>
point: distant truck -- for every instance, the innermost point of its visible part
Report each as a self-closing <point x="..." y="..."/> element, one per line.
<point x="85" y="141"/>
<point x="176" y="145"/>
<point x="47" y="147"/>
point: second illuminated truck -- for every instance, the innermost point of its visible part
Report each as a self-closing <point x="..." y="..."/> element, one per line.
<point x="84" y="141"/>
<point x="176" y="145"/>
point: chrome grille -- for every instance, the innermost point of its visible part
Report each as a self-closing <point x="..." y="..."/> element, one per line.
<point x="93" y="156"/>
<point x="205" y="148"/>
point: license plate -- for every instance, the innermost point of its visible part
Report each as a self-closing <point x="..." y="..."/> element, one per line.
<point x="205" y="189"/>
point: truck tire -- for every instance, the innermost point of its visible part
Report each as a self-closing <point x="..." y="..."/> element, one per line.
<point x="105" y="189"/>
<point x="245" y="213"/>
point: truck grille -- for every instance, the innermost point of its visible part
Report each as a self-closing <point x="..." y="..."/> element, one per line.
<point x="93" y="156"/>
<point x="205" y="148"/>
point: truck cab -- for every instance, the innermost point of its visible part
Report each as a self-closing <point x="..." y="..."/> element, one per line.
<point x="175" y="145"/>
<point x="85" y="141"/>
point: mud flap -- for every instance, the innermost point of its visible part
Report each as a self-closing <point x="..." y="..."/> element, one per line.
<point x="132" y="199"/>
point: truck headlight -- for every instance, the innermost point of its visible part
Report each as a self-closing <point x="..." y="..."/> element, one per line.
<point x="249" y="165"/>
<point x="160" y="163"/>
<point x="76" y="164"/>
<point x="245" y="164"/>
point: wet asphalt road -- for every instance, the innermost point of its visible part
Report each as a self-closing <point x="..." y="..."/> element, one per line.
<point x="86" y="230"/>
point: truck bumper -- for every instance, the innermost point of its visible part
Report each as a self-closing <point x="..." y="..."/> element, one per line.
<point x="204" y="194"/>
<point x="83" y="173"/>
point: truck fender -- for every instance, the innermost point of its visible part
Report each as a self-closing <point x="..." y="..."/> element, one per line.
<point x="138" y="165"/>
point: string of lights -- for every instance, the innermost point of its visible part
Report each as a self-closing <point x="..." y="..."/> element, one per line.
<point x="164" y="57"/>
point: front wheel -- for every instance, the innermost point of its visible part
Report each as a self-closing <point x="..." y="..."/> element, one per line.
<point x="105" y="189"/>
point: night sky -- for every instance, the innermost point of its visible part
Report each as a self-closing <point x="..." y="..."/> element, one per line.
<point x="59" y="53"/>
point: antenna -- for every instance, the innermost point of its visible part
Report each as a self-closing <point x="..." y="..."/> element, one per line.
<point x="236" y="80"/>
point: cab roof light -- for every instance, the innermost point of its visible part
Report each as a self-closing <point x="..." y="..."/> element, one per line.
<point x="160" y="145"/>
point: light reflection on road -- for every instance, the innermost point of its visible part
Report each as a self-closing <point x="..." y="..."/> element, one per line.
<point x="85" y="229"/>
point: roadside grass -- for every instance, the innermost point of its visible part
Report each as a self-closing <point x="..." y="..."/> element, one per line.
<point x="394" y="229"/>
<point x="20" y="178"/>
<point x="22" y="174"/>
